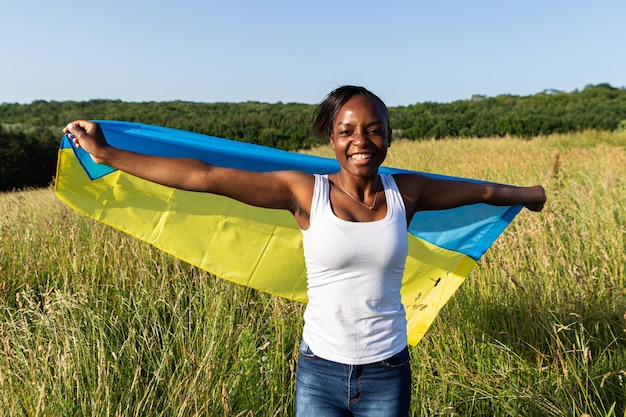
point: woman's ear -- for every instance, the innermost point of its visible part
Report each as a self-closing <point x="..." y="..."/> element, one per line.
<point x="389" y="137"/>
<point x="332" y="142"/>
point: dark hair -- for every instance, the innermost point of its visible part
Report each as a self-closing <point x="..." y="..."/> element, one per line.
<point x="328" y="109"/>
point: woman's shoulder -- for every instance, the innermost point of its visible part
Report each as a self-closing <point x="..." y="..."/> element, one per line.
<point x="409" y="179"/>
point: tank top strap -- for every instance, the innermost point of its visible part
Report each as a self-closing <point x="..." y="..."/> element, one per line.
<point x="395" y="203"/>
<point x="320" y="195"/>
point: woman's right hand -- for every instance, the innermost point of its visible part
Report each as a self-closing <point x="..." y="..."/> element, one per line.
<point x="89" y="136"/>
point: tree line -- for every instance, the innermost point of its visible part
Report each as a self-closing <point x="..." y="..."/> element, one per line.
<point x="30" y="133"/>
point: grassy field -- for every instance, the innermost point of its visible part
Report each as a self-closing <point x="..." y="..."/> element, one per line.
<point x="94" y="323"/>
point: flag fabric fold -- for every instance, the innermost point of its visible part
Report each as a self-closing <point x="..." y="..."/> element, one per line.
<point x="256" y="247"/>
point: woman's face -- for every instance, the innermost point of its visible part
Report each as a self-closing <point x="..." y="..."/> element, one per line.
<point x="360" y="136"/>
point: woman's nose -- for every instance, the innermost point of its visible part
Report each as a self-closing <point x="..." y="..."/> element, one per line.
<point x="360" y="138"/>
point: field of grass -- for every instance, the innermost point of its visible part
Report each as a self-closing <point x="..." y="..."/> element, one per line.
<point x="94" y="323"/>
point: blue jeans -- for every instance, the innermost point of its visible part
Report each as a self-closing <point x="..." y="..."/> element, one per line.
<point x="331" y="389"/>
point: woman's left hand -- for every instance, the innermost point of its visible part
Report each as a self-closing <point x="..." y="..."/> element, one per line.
<point x="537" y="200"/>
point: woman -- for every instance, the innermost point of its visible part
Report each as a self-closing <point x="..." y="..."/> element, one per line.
<point x="353" y="356"/>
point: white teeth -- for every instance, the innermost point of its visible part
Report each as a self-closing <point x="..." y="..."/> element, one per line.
<point x="361" y="156"/>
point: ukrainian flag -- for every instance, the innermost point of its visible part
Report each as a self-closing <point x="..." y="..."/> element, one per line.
<point x="261" y="248"/>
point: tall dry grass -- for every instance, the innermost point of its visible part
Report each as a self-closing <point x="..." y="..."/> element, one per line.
<point x="95" y="323"/>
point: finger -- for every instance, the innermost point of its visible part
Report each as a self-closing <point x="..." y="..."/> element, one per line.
<point x="74" y="130"/>
<point x="77" y="126"/>
<point x="70" y="128"/>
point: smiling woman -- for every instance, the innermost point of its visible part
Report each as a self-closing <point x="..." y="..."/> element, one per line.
<point x="354" y="233"/>
<point x="359" y="135"/>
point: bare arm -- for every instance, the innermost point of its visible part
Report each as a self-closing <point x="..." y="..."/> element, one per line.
<point x="425" y="193"/>
<point x="279" y="190"/>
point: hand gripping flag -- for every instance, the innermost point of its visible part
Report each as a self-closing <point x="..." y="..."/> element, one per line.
<point x="261" y="248"/>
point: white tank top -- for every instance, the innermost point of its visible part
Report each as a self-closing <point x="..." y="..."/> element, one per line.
<point x="355" y="314"/>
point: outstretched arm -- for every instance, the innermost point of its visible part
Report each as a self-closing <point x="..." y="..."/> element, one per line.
<point x="426" y="193"/>
<point x="187" y="174"/>
<point x="271" y="189"/>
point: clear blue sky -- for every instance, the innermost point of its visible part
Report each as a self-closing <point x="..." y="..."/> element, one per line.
<point x="407" y="51"/>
